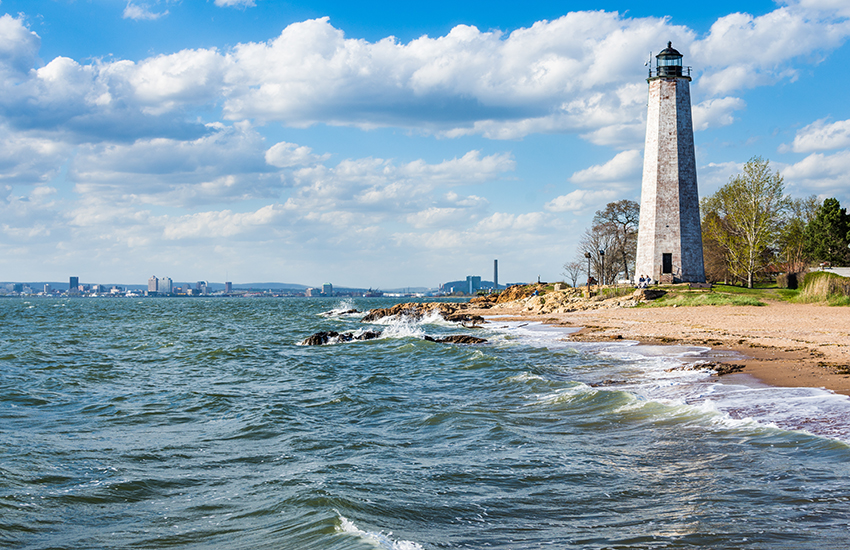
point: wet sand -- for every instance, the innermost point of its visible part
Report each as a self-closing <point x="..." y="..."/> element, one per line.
<point x="781" y="344"/>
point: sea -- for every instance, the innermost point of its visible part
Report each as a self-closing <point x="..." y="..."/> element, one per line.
<point x="204" y="423"/>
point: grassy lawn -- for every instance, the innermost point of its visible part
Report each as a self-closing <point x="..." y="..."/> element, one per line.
<point x="722" y="295"/>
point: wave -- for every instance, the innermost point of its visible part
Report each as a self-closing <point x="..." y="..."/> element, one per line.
<point x="662" y="391"/>
<point x="379" y="540"/>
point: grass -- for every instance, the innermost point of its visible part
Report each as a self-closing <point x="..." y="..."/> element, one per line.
<point x="822" y="286"/>
<point x="703" y="298"/>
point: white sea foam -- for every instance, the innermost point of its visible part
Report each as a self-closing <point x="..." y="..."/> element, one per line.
<point x="379" y="540"/>
<point x="653" y="374"/>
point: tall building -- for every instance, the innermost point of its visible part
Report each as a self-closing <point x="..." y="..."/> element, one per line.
<point x="328" y="289"/>
<point x="669" y="247"/>
<point x="473" y="284"/>
<point x="153" y="284"/>
<point x="165" y="285"/>
<point x="74" y="285"/>
<point x="228" y="287"/>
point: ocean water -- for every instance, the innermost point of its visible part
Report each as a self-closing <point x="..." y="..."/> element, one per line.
<point x="201" y="423"/>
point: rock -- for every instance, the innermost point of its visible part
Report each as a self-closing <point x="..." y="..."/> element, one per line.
<point x="457" y="339"/>
<point x="646" y="294"/>
<point x="465" y="319"/>
<point x="726" y="368"/>
<point x="323" y="338"/>
<point x="320" y="338"/>
<point x="417" y="310"/>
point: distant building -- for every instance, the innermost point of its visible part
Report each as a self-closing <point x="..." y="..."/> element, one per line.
<point x="495" y="274"/>
<point x="310" y="292"/>
<point x="47" y="288"/>
<point x="228" y="287"/>
<point x="164" y="285"/>
<point x="473" y="283"/>
<point x="74" y="285"/>
<point x="153" y="284"/>
<point x="328" y="289"/>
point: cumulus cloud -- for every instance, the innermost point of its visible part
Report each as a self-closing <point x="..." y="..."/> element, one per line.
<point x="624" y="165"/>
<point x="18" y="48"/>
<point x="286" y="155"/>
<point x="744" y="51"/>
<point x="579" y="73"/>
<point x="825" y="174"/>
<point x="581" y="200"/>
<point x="712" y="113"/>
<point x="821" y="136"/>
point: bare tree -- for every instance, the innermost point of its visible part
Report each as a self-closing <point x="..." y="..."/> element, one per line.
<point x="748" y="217"/>
<point x="572" y="270"/>
<point x="620" y="218"/>
<point x="600" y="238"/>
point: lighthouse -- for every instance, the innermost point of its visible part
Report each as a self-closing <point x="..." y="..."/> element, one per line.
<point x="669" y="247"/>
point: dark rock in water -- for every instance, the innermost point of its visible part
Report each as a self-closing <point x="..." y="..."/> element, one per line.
<point x="457" y="339"/>
<point x="334" y="313"/>
<point x="322" y="338"/>
<point x="465" y="319"/>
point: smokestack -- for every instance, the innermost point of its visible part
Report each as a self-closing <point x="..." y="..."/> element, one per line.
<point x="495" y="274"/>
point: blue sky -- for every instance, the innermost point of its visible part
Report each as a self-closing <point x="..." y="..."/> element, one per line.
<point x="380" y="144"/>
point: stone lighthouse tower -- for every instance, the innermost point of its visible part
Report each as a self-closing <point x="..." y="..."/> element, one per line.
<point x="669" y="245"/>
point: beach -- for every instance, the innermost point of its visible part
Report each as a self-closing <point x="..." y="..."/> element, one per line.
<point x="781" y="344"/>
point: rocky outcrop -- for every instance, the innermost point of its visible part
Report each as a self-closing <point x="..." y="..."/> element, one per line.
<point x="575" y="299"/>
<point x="417" y="310"/>
<point x="457" y="339"/>
<point x="333" y="337"/>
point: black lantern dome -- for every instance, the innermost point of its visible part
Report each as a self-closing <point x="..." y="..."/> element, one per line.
<point x="668" y="62"/>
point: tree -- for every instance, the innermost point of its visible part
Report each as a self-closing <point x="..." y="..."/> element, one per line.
<point x="599" y="237"/>
<point x="748" y="217"/>
<point x="826" y="237"/>
<point x="792" y="242"/>
<point x="572" y="270"/>
<point x="621" y="219"/>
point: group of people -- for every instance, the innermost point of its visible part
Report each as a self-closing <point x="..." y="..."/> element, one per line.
<point x="644" y="282"/>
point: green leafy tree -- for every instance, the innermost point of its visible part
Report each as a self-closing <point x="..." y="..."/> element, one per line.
<point x="827" y="235"/>
<point x="748" y="217"/>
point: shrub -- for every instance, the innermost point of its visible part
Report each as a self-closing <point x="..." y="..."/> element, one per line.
<point x="789" y="280"/>
<point x="822" y="286"/>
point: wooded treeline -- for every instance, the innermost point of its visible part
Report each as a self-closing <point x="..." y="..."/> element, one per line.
<point x="751" y="231"/>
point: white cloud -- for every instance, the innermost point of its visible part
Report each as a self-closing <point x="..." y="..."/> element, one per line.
<point x="18" y="48"/>
<point x="824" y="174"/>
<point x="624" y="165"/>
<point x="235" y="3"/>
<point x="581" y="200"/>
<point x="141" y="13"/>
<point x="210" y="225"/>
<point x="286" y="155"/>
<point x="712" y="113"/>
<point x="744" y="51"/>
<point x="820" y="136"/>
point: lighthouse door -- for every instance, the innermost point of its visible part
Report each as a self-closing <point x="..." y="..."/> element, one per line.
<point x="667" y="263"/>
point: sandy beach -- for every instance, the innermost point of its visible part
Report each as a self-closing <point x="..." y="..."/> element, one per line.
<point x="781" y="344"/>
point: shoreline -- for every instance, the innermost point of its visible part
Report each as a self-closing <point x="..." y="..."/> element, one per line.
<point x="779" y="344"/>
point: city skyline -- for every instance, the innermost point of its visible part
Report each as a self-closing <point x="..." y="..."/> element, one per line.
<point x="399" y="145"/>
